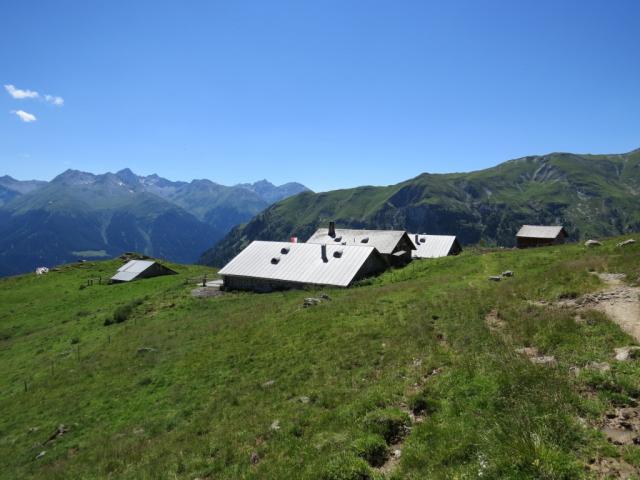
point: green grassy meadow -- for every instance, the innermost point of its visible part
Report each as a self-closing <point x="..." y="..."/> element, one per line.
<point x="256" y="386"/>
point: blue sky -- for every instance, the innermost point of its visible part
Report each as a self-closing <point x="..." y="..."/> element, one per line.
<point x="332" y="93"/>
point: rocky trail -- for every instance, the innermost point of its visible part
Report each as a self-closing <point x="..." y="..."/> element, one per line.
<point x="619" y="301"/>
<point x="392" y="461"/>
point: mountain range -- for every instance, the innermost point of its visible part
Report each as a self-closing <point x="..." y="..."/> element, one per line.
<point x="82" y="215"/>
<point x="591" y="195"/>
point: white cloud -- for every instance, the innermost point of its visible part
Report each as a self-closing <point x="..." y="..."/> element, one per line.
<point x="57" y="101"/>
<point x="20" y="94"/>
<point x="24" y="116"/>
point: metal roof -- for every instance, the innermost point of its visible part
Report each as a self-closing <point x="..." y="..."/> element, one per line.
<point x="124" y="276"/>
<point x="540" y="231"/>
<point x="299" y="262"/>
<point x="131" y="270"/>
<point x="432" y="246"/>
<point x="385" y="241"/>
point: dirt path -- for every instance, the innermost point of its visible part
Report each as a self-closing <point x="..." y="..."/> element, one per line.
<point x="395" y="450"/>
<point x="619" y="301"/>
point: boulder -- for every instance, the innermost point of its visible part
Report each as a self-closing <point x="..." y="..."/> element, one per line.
<point x="544" y="360"/>
<point x="528" y="351"/>
<point x="592" y="243"/>
<point x="507" y="273"/>
<point x="311" y="301"/>
<point x="495" y="278"/>
<point x="598" y="366"/>
<point x="58" y="432"/>
<point x="626" y="353"/>
<point x="142" y="350"/>
<point x="626" y="242"/>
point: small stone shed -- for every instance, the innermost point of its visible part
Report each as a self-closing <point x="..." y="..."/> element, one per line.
<point x="137" y="269"/>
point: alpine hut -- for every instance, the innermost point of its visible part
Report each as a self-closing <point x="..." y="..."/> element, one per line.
<point x="395" y="246"/>
<point x="540" y="236"/>
<point x="434" y="246"/>
<point x="268" y="266"/>
<point x="137" y="269"/>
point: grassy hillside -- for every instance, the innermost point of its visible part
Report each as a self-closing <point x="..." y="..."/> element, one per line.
<point x="255" y="386"/>
<point x="592" y="195"/>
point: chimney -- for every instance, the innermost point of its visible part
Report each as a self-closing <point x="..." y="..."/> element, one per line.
<point x="293" y="239"/>
<point x="417" y="242"/>
<point x="332" y="229"/>
<point x="323" y="252"/>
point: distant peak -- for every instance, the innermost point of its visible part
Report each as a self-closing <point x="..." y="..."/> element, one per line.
<point x="293" y="184"/>
<point x="128" y="177"/>
<point x="125" y="171"/>
<point x="201" y="181"/>
<point x="75" y="177"/>
<point x="263" y="183"/>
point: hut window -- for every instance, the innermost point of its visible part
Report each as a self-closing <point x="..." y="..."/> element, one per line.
<point x="285" y="250"/>
<point x="275" y="260"/>
<point x="337" y="239"/>
<point x="365" y="240"/>
<point x="422" y="240"/>
<point x="337" y="254"/>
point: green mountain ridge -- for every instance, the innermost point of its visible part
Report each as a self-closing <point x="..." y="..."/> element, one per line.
<point x="592" y="195"/>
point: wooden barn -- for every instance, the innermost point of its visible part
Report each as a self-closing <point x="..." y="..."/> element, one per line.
<point x="137" y="269"/>
<point x="395" y="246"/>
<point x="540" y="236"/>
<point x="268" y="266"/>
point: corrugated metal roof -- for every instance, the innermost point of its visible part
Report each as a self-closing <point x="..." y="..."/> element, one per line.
<point x="131" y="270"/>
<point x="539" y="231"/>
<point x="124" y="276"/>
<point x="432" y="246"/>
<point x="302" y="263"/>
<point x="385" y="241"/>
<point x="136" y="266"/>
